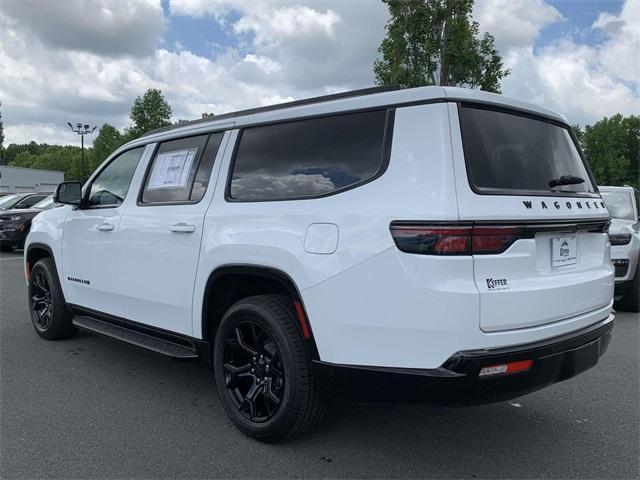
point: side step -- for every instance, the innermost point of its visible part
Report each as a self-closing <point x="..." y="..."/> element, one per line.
<point x="146" y="341"/>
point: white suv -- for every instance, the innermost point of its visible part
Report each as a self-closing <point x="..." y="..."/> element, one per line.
<point x="624" y="235"/>
<point x="434" y="244"/>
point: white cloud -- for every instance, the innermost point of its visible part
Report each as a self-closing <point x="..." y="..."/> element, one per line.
<point x="584" y="82"/>
<point x="514" y="23"/>
<point x="285" y="50"/>
<point x="273" y="25"/>
<point x="620" y="54"/>
<point x="200" y="8"/>
<point x="567" y="77"/>
<point x="105" y="27"/>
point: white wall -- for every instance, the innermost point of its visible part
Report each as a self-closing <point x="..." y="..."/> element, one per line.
<point x="20" y="180"/>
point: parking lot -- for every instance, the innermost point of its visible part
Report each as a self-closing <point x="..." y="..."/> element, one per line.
<point x="94" y="408"/>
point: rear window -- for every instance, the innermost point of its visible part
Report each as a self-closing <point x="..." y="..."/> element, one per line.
<point x="308" y="158"/>
<point x="619" y="204"/>
<point x="510" y="153"/>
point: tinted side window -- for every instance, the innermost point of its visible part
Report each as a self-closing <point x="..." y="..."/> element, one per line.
<point x="30" y="201"/>
<point x="180" y="169"/>
<point x="308" y="158"/>
<point x="110" y="187"/>
<point x="204" y="169"/>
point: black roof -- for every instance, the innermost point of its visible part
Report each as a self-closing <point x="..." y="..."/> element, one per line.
<point x="280" y="106"/>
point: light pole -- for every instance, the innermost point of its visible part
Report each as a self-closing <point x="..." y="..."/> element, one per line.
<point x="81" y="130"/>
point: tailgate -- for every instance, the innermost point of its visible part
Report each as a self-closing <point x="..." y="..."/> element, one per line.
<point x="524" y="173"/>
<point x="553" y="273"/>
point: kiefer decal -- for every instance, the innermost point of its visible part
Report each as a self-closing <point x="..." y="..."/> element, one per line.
<point x="565" y="205"/>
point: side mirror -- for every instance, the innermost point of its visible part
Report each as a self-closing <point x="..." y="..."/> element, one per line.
<point x="68" y="193"/>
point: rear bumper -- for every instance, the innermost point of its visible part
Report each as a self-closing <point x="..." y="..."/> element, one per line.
<point x="457" y="380"/>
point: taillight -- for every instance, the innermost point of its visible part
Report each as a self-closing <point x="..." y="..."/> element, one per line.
<point x="453" y="240"/>
<point x="493" y="239"/>
<point x="432" y="239"/>
<point x="620" y="238"/>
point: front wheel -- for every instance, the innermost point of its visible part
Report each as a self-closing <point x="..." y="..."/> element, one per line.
<point x="263" y="371"/>
<point x="47" y="306"/>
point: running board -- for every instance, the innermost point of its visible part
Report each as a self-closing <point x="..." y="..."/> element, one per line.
<point x="146" y="341"/>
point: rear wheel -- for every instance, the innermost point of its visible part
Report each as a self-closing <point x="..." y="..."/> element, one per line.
<point x="263" y="370"/>
<point x="631" y="299"/>
<point x="49" y="314"/>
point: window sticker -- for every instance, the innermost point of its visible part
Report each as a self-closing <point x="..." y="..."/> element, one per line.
<point x="171" y="169"/>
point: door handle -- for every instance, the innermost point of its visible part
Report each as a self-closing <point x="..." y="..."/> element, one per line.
<point x="182" y="228"/>
<point x="106" y="227"/>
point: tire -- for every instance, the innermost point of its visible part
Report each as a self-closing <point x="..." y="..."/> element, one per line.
<point x="262" y="370"/>
<point x="49" y="314"/>
<point x="631" y="299"/>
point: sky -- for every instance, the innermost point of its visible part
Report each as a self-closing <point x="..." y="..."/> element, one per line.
<point x="87" y="60"/>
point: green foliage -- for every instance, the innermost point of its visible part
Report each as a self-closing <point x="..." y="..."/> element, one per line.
<point x="435" y="42"/>
<point x="612" y="146"/>
<point x="14" y="149"/>
<point x="149" y="112"/>
<point x="105" y="143"/>
<point x="64" y="158"/>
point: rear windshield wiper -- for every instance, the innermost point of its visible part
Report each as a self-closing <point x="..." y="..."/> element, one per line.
<point x="566" y="180"/>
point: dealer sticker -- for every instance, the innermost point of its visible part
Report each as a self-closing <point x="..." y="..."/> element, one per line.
<point x="563" y="251"/>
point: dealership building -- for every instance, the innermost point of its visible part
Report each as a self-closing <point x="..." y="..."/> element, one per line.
<point x="25" y="180"/>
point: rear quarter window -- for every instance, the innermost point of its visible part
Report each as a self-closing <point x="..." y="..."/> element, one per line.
<point x="508" y="153"/>
<point x="309" y="158"/>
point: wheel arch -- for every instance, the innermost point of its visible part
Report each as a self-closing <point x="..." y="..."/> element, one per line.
<point x="37" y="251"/>
<point x="229" y="283"/>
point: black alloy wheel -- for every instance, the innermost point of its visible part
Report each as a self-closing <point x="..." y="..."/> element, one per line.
<point x="41" y="303"/>
<point x="49" y="314"/>
<point x="263" y="369"/>
<point x="253" y="371"/>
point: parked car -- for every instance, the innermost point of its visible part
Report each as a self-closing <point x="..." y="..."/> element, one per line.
<point x="429" y="244"/>
<point x="624" y="234"/>
<point x="18" y="201"/>
<point x="15" y="224"/>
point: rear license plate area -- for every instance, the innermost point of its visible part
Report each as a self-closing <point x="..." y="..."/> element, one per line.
<point x="564" y="251"/>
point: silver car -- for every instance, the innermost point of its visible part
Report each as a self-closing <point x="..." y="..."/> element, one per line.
<point x="623" y="204"/>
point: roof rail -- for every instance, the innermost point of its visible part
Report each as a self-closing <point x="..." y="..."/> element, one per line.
<point x="269" y="108"/>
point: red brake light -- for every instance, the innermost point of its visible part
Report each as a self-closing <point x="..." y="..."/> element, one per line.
<point x="494" y="239"/>
<point x="432" y="239"/>
<point x="453" y="240"/>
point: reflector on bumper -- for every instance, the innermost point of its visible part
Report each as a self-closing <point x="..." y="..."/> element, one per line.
<point x="506" y="368"/>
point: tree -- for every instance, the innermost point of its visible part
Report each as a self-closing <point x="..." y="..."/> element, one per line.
<point x="106" y="142"/>
<point x="149" y="112"/>
<point x="577" y="129"/>
<point x="14" y="149"/>
<point x="612" y="146"/>
<point x="56" y="157"/>
<point x="435" y="42"/>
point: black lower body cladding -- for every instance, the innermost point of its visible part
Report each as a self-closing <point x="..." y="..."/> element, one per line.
<point x="458" y="380"/>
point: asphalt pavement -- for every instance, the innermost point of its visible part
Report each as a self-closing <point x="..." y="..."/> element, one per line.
<point x="91" y="407"/>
